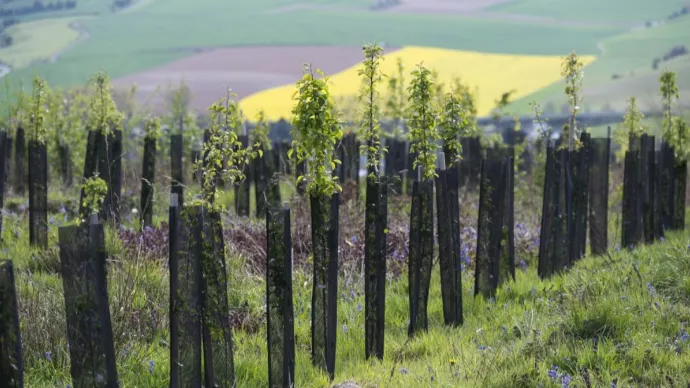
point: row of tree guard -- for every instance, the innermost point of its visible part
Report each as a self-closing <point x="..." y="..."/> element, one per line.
<point x="201" y="346"/>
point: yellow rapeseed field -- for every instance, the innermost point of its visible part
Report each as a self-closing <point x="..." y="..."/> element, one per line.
<point x="491" y="74"/>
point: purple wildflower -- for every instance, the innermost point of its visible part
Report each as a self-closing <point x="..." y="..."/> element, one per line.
<point x="359" y="307"/>
<point x="152" y="364"/>
<point x="523" y="265"/>
<point x="684" y="336"/>
<point x="553" y="373"/>
<point x="48" y="357"/>
<point x="565" y="381"/>
<point x="345" y="329"/>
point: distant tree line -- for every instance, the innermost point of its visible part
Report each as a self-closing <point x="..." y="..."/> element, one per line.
<point x="119" y="4"/>
<point x="37" y="7"/>
<point x="384" y="4"/>
<point x="675" y="51"/>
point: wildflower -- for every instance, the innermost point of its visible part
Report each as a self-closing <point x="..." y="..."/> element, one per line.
<point x="614" y="383"/>
<point x="63" y="210"/>
<point x="135" y="211"/>
<point x="523" y="265"/>
<point x="553" y="373"/>
<point x="684" y="336"/>
<point x="404" y="371"/>
<point x="48" y="357"/>
<point x="452" y="361"/>
<point x="152" y="364"/>
<point x="345" y="329"/>
<point x="354" y="239"/>
<point x="359" y="307"/>
<point x="651" y="290"/>
<point x="565" y="381"/>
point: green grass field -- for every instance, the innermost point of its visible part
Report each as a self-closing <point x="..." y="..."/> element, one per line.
<point x="631" y="11"/>
<point x="629" y="55"/>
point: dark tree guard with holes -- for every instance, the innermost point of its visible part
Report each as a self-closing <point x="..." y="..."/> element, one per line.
<point x="216" y="331"/>
<point x="38" y="194"/>
<point x="280" y="314"/>
<point x="376" y="215"/>
<point x="185" y="296"/>
<point x="11" y="366"/>
<point x="20" y="173"/>
<point x="177" y="168"/>
<point x="4" y="150"/>
<point x="599" y="156"/>
<point x="148" y="183"/>
<point x="83" y="267"/>
<point x="324" y="220"/>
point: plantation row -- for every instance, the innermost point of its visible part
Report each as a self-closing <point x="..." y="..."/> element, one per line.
<point x="575" y="201"/>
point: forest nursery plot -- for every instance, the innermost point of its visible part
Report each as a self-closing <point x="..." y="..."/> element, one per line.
<point x="233" y="259"/>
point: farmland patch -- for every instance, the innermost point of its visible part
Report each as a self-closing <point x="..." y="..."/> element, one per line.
<point x="39" y="41"/>
<point x="246" y="70"/>
<point x="492" y="74"/>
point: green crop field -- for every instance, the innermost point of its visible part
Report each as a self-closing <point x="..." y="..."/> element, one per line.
<point x="630" y="11"/>
<point x="628" y="55"/>
<point x="38" y="41"/>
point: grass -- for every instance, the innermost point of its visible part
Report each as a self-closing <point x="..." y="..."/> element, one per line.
<point x="620" y="318"/>
<point x="38" y="41"/>
<point x="628" y="11"/>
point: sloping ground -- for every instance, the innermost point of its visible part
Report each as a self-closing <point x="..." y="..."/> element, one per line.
<point x="492" y="74"/>
<point x="612" y="321"/>
<point x="246" y="70"/>
<point x="627" y="57"/>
